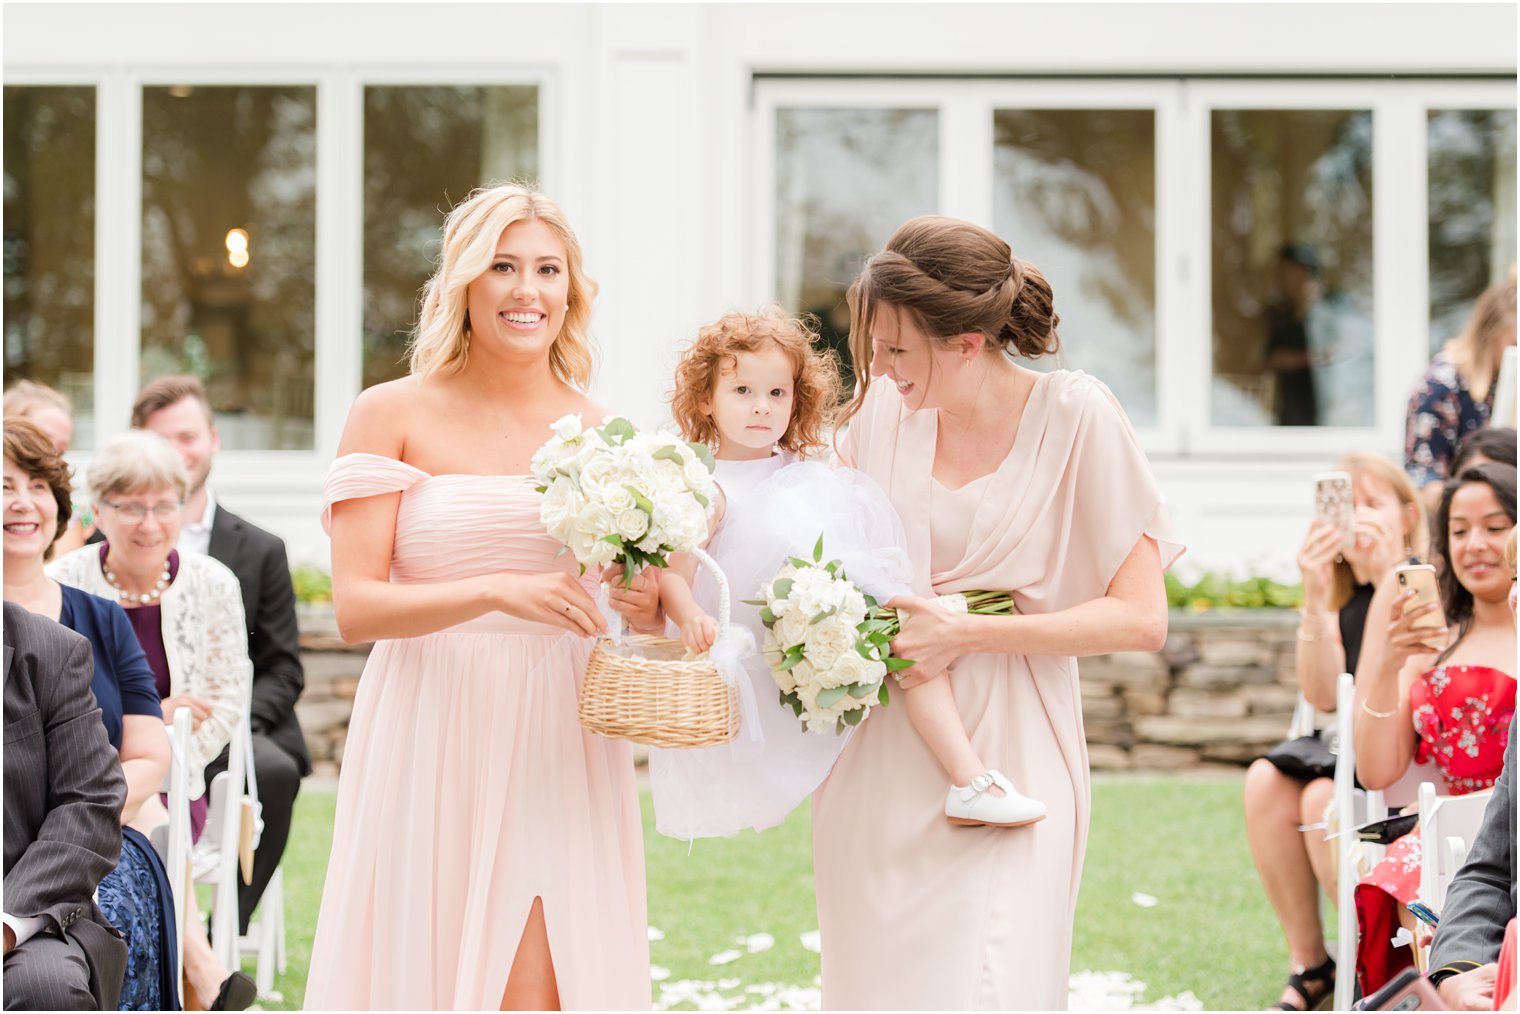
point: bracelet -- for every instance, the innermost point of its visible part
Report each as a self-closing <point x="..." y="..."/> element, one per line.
<point x="1307" y="638"/>
<point x="1379" y="714"/>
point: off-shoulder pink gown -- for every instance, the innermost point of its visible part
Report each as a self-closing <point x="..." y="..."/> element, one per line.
<point x="469" y="789"/>
<point x="916" y="913"/>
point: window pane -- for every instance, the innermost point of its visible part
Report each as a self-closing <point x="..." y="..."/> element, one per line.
<point x="1291" y="238"/>
<point x="1472" y="211"/>
<point x="845" y="180"/>
<point x="425" y="149"/>
<point x="50" y="244"/>
<point x="229" y="253"/>
<point x="1075" y="194"/>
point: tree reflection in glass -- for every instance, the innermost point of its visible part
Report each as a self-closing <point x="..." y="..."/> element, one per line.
<point x="1075" y="194"/>
<point x="217" y="159"/>
<point x="845" y="180"/>
<point x="425" y="149"/>
<point x="50" y="244"/>
<point x="1291" y="241"/>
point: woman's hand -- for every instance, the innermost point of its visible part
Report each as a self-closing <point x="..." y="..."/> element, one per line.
<point x="928" y="636"/>
<point x="200" y="709"/>
<point x="640" y="601"/>
<point x="1316" y="564"/>
<point x="698" y="633"/>
<point x="1406" y="641"/>
<point x="555" y="599"/>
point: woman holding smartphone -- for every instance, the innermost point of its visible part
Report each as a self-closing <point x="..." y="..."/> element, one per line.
<point x="1289" y="787"/>
<point x="1438" y="691"/>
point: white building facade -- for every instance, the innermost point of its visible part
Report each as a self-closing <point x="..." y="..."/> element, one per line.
<point x="253" y="193"/>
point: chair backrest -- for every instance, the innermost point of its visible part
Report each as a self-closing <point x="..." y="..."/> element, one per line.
<point x="173" y="839"/>
<point x="217" y="851"/>
<point x="1345" y="845"/>
<point x="1303" y="718"/>
<point x="1448" y="825"/>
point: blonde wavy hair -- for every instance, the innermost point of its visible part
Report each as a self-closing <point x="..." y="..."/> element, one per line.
<point x="1476" y="350"/>
<point x="716" y="350"/>
<point x="441" y="340"/>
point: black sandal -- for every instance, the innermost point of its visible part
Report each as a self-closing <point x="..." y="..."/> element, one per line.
<point x="1324" y="974"/>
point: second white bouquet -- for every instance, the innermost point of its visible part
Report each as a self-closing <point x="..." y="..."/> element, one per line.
<point x="615" y="495"/>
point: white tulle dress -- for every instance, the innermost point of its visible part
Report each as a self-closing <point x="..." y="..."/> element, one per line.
<point x="777" y="507"/>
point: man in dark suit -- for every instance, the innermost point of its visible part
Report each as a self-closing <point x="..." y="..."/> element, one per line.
<point x="176" y="408"/>
<point x="1480" y="903"/>
<point x="63" y="795"/>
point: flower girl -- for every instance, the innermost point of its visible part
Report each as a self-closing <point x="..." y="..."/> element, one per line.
<point x="755" y="389"/>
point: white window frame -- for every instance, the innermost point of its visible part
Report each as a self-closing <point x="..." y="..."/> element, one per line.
<point x="1184" y="325"/>
<point x="338" y="229"/>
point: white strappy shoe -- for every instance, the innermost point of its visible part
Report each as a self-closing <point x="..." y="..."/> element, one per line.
<point x="973" y="804"/>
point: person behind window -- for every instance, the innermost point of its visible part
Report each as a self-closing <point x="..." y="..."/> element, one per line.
<point x="135" y="896"/>
<point x="52" y="412"/>
<point x="1288" y="352"/>
<point x="1456" y="394"/>
<point x="1443" y="694"/>
<point x="1293" y="784"/>
<point x="187" y="613"/>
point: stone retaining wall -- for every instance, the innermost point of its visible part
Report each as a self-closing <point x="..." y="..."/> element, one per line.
<point x="1222" y="690"/>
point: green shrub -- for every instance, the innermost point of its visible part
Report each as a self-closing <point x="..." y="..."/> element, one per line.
<point x="313" y="584"/>
<point x="1215" y="591"/>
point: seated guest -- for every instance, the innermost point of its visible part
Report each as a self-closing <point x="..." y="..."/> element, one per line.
<point x="176" y="408"/>
<point x="51" y="412"/>
<point x="1291" y="786"/>
<point x="1441" y="693"/>
<point x="135" y="896"/>
<point x="1492" y="443"/>
<point x="187" y="614"/>
<point x="63" y="794"/>
<point x="1477" y="930"/>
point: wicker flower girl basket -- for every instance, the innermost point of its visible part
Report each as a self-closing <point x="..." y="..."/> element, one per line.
<point x="641" y="689"/>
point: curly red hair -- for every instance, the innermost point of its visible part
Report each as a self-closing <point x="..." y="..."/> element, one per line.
<point x="717" y="347"/>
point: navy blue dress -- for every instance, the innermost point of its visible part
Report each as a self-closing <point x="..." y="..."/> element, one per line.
<point x="135" y="896"/>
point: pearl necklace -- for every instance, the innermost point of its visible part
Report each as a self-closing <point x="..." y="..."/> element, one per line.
<point x="145" y="597"/>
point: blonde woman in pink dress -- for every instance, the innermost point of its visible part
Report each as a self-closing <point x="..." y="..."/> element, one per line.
<point x="1005" y="479"/>
<point x="487" y="851"/>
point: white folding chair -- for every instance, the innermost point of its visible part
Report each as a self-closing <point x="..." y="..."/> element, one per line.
<point x="172" y="840"/>
<point x="215" y="856"/>
<point x="1448" y="824"/>
<point x="1302" y="723"/>
<point x="1345" y="846"/>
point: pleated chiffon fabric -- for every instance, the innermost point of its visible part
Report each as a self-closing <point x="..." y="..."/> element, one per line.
<point x="916" y="913"/>
<point x="469" y="789"/>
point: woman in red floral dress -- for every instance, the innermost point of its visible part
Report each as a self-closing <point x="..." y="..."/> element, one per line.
<point x="1453" y="705"/>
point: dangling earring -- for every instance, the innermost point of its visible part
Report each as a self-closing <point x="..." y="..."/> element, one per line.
<point x="965" y="362"/>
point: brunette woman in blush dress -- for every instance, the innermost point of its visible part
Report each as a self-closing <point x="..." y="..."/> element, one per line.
<point x="1005" y="479"/>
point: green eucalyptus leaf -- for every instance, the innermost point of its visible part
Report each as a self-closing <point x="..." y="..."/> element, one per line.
<point x="818" y="550"/>
<point x="782" y="588"/>
<point x="894" y="664"/>
<point x="854" y="717"/>
<point x="830" y="697"/>
<point x="860" y="691"/>
<point x="882" y="695"/>
<point x="641" y="500"/>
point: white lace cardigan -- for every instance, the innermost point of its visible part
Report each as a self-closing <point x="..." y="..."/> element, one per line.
<point x="205" y="641"/>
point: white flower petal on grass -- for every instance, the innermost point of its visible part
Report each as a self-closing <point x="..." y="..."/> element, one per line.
<point x="1144" y="900"/>
<point x="756" y="942"/>
<point x="1089" y="990"/>
<point x="724" y="957"/>
<point x="812" y="941"/>
<point x="656" y="934"/>
<point x="658" y="973"/>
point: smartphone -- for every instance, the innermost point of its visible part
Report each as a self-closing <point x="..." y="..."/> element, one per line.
<point x="1421" y="577"/>
<point x="1332" y="501"/>
<point x="1409" y="990"/>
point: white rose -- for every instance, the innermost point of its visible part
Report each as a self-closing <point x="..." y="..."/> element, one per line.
<point x="586" y="534"/>
<point x="826" y="642"/>
<point x="852" y="670"/>
<point x="566" y="427"/>
<point x="617" y="501"/>
<point x="697" y="477"/>
<point x="791" y="629"/>
<point x="560" y="507"/>
<point x="632" y="523"/>
<point x="667" y="477"/>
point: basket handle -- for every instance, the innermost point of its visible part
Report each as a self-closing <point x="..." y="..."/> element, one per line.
<point x="725" y="610"/>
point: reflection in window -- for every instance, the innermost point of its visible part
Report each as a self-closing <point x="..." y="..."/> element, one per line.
<point x="1291" y="242"/>
<point x="425" y="150"/>
<point x="1472" y="211"/>
<point x="845" y="180"/>
<point x="1075" y="195"/>
<point x="229" y="251"/>
<point x="50" y="243"/>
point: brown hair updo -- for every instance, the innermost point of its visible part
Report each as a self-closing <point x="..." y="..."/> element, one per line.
<point x="952" y="278"/>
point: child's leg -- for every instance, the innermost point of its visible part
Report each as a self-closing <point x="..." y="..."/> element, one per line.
<point x="931" y="709"/>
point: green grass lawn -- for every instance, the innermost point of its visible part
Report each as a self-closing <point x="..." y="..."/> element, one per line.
<point x="1181" y="841"/>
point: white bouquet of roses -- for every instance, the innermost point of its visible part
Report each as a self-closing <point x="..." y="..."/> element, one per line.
<point x="829" y="644"/>
<point x="615" y="495"/>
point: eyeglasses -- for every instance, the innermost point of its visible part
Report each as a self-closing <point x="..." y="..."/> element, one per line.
<point x="135" y="513"/>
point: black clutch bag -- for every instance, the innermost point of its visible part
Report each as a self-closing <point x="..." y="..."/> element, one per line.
<point x="1305" y="758"/>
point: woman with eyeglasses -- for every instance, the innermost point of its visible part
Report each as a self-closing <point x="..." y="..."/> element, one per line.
<point x="187" y="614"/>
